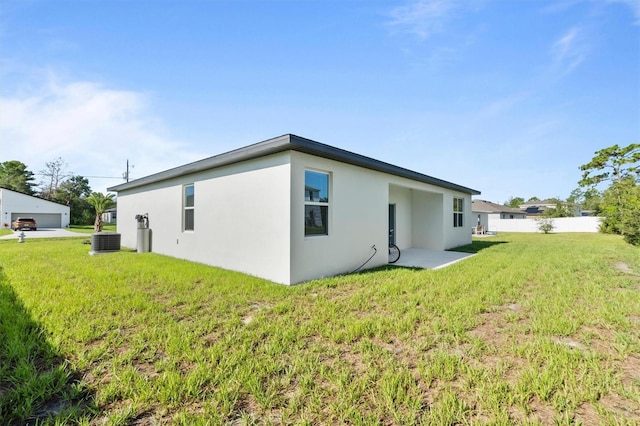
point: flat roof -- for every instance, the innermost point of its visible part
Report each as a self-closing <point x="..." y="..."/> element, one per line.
<point x="290" y="142"/>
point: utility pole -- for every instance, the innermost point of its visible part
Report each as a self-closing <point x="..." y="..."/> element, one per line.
<point x="125" y="175"/>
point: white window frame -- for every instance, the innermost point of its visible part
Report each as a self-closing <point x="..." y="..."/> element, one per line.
<point x="326" y="204"/>
<point x="458" y="212"/>
<point x="186" y="208"/>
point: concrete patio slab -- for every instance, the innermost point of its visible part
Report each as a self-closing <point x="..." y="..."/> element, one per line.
<point x="429" y="259"/>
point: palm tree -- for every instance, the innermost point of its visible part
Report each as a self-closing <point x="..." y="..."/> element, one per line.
<point x="100" y="203"/>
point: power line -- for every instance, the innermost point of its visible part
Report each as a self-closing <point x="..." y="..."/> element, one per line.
<point x="93" y="177"/>
<point x="124" y="176"/>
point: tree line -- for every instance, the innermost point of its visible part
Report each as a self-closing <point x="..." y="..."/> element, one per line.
<point x="60" y="186"/>
<point x="609" y="187"/>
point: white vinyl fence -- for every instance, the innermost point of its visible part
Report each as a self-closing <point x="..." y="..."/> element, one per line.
<point x="561" y="224"/>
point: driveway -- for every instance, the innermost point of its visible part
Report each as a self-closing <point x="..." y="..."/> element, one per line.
<point x="45" y="233"/>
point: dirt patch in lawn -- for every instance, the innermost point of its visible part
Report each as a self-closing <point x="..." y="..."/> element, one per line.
<point x="493" y="330"/>
<point x="623" y="267"/>
<point x="501" y="327"/>
<point x="253" y="309"/>
<point x="539" y="412"/>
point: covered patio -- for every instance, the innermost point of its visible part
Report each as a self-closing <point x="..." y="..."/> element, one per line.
<point x="429" y="259"/>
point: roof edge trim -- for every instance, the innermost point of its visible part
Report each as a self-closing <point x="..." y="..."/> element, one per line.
<point x="295" y="143"/>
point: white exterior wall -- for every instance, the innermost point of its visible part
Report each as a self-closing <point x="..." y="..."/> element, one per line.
<point x="425" y="215"/>
<point x="402" y="199"/>
<point x="12" y="203"/>
<point x="249" y="217"/>
<point x="358" y="220"/>
<point x="457" y="236"/>
<point x="241" y="217"/>
<point x="359" y="201"/>
<point x="561" y="224"/>
<point x="486" y="219"/>
<point x="508" y="216"/>
<point x="428" y="220"/>
<point x="480" y="219"/>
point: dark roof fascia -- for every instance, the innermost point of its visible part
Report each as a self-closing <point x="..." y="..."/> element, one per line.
<point x="260" y="149"/>
<point x="293" y="143"/>
<point x="33" y="196"/>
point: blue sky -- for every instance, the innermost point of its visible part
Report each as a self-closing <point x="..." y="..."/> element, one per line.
<point x="507" y="97"/>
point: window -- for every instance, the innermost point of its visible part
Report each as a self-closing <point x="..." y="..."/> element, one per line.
<point x="458" y="208"/>
<point x="188" y="201"/>
<point x="316" y="203"/>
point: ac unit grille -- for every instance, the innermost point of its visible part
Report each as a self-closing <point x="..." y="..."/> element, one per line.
<point x="105" y="241"/>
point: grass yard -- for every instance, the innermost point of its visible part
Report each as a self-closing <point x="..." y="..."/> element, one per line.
<point x="88" y="229"/>
<point x="535" y="329"/>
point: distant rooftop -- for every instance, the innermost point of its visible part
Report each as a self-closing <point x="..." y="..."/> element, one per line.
<point x="546" y="202"/>
<point x="489" y="207"/>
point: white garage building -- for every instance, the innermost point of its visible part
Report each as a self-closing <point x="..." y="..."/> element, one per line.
<point x="47" y="214"/>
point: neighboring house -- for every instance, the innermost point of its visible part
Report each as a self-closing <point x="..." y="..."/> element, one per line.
<point x="538" y="207"/>
<point x="47" y="214"/>
<point x="485" y="212"/>
<point x="290" y="209"/>
<point x="110" y="215"/>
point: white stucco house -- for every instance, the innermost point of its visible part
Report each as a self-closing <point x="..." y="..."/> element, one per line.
<point x="47" y="214"/>
<point x="110" y="215"/>
<point x="486" y="213"/>
<point x="538" y="207"/>
<point x="290" y="209"/>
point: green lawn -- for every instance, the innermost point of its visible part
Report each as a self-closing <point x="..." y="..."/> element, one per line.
<point x="535" y="329"/>
<point x="88" y="229"/>
<point x="84" y="229"/>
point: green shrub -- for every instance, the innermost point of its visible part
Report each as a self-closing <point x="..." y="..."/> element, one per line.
<point x="545" y="225"/>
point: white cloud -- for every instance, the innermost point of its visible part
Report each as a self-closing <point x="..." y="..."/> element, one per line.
<point x="93" y="128"/>
<point x="569" y="51"/>
<point x="422" y="18"/>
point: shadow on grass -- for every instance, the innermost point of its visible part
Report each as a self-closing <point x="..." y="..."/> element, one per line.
<point x="477" y="246"/>
<point x="383" y="268"/>
<point x="36" y="384"/>
<point x="474" y="247"/>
